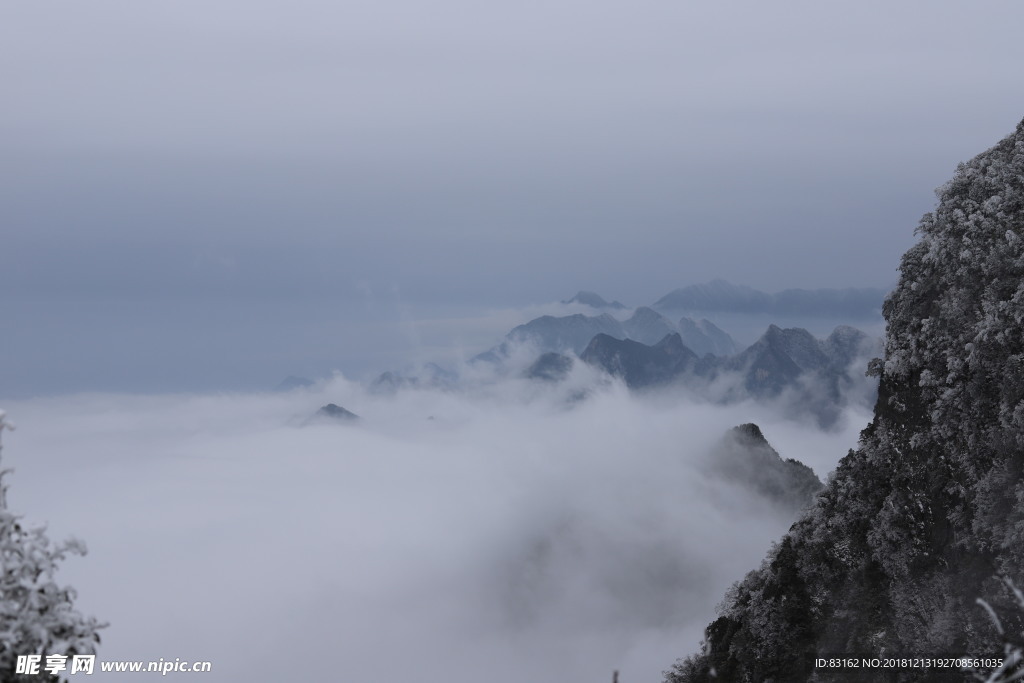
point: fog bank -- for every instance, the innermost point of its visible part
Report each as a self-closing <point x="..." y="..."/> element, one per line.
<point x="498" y="533"/>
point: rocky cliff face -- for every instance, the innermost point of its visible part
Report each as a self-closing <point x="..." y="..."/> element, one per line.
<point x="924" y="516"/>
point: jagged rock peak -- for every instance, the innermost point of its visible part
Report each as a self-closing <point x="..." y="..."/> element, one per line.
<point x="744" y="456"/>
<point x="749" y="433"/>
<point x="638" y="364"/>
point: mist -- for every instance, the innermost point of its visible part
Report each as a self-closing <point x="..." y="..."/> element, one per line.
<point x="497" y="532"/>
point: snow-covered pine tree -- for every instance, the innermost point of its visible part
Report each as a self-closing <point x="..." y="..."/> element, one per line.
<point x="37" y="616"/>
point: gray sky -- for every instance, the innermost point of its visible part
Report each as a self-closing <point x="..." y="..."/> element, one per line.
<point x="194" y="193"/>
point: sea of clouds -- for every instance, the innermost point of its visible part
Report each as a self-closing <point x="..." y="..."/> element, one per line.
<point x="501" y="531"/>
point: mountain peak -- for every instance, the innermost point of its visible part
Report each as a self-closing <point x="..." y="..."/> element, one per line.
<point x="640" y="365"/>
<point x="646" y="313"/>
<point x="594" y="300"/>
<point x="333" y="413"/>
<point x="749" y="433"/>
<point x="744" y="456"/>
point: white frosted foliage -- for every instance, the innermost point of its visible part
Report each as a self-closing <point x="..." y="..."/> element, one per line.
<point x="37" y="614"/>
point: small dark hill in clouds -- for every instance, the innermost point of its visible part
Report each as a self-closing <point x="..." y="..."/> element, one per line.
<point x="333" y="413"/>
<point x="919" y="521"/>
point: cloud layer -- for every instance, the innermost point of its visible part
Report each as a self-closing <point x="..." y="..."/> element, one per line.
<point x="497" y="533"/>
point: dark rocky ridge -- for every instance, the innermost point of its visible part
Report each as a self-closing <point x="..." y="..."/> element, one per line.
<point x="918" y="522"/>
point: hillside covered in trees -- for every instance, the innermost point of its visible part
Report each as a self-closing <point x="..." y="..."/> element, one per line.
<point x="928" y="513"/>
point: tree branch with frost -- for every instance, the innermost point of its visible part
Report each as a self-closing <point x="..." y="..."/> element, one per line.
<point x="37" y="616"/>
<point x="1012" y="668"/>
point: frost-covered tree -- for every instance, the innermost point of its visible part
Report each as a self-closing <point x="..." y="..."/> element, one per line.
<point x="37" y="616"/>
<point x="922" y="518"/>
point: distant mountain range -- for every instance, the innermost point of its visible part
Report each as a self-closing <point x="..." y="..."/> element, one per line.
<point x="723" y="297"/>
<point x="649" y="350"/>
<point x="814" y="376"/>
<point x="720" y="296"/>
<point x="572" y="333"/>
